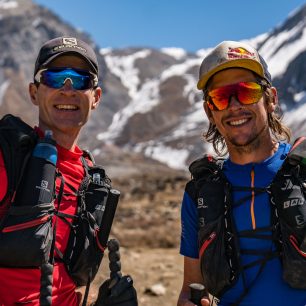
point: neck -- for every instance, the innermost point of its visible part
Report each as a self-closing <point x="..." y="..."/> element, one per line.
<point x="66" y="139"/>
<point x="255" y="152"/>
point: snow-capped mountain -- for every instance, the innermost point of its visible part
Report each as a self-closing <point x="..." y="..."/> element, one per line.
<point x="150" y="104"/>
<point x="164" y="118"/>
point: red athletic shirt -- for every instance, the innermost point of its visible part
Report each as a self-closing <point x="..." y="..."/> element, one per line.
<point x="22" y="286"/>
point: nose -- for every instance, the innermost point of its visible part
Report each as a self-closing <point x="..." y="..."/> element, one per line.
<point x="68" y="84"/>
<point x="234" y="102"/>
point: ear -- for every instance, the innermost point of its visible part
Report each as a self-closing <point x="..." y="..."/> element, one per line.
<point x="273" y="100"/>
<point x="96" y="97"/>
<point x="33" y="93"/>
<point x="208" y="113"/>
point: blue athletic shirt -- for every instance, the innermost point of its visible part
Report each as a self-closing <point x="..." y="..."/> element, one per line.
<point x="269" y="289"/>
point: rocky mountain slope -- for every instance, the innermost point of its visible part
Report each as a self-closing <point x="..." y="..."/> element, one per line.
<point x="150" y="104"/>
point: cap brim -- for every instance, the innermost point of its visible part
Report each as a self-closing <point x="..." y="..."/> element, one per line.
<point x="239" y="63"/>
<point x="50" y="59"/>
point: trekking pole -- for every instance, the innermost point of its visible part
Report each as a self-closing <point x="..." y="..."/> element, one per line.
<point x="118" y="289"/>
<point x="197" y="292"/>
<point x="45" y="298"/>
<point x="120" y="286"/>
<point x="114" y="261"/>
<point x="106" y="225"/>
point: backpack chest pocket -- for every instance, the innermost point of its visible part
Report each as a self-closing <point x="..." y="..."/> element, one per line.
<point x="216" y="265"/>
<point x="26" y="236"/>
<point x="84" y="251"/>
<point x="288" y="196"/>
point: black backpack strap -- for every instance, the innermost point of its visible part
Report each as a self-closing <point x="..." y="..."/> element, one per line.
<point x="207" y="171"/>
<point x="88" y="154"/>
<point x="108" y="214"/>
<point x="17" y="141"/>
<point x="291" y="177"/>
<point x="205" y="166"/>
<point x="46" y="276"/>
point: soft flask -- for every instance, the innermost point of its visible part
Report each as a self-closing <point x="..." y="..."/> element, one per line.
<point x="38" y="185"/>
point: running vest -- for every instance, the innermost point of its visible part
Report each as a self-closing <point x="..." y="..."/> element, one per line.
<point x="30" y="231"/>
<point x="218" y="238"/>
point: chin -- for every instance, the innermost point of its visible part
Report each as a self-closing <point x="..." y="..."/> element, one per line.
<point x="251" y="142"/>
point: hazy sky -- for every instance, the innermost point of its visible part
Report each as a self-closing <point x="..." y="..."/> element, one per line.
<point x="189" y="24"/>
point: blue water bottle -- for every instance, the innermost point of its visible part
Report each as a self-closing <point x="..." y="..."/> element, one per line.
<point x="39" y="178"/>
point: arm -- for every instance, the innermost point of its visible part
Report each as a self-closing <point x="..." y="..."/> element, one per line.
<point x="189" y="246"/>
<point x="192" y="274"/>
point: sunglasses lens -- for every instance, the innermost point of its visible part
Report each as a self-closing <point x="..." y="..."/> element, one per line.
<point x="245" y="92"/>
<point x="56" y="78"/>
<point x="249" y="92"/>
<point x="219" y="97"/>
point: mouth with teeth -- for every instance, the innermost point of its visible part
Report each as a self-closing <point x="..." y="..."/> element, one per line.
<point x="238" y="122"/>
<point x="66" y="107"/>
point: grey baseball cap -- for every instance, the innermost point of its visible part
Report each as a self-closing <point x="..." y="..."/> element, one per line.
<point x="65" y="45"/>
<point x="232" y="54"/>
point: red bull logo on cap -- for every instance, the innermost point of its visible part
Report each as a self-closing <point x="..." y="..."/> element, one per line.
<point x="240" y="53"/>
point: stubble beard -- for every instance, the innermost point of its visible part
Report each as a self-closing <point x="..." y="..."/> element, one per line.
<point x="252" y="144"/>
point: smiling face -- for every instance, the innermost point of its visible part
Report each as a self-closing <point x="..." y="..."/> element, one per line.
<point x="244" y="127"/>
<point x="64" y="110"/>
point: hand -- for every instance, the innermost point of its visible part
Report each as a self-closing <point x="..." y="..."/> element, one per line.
<point x="120" y="293"/>
<point x="205" y="301"/>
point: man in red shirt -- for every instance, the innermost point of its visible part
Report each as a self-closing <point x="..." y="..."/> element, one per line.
<point x="66" y="91"/>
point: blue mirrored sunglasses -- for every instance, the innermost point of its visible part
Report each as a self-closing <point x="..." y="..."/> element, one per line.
<point x="56" y="78"/>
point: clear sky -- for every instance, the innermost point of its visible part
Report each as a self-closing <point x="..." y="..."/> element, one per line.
<point x="189" y="24"/>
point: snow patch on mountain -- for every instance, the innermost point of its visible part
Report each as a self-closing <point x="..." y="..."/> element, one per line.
<point x="203" y="52"/>
<point x="179" y="69"/>
<point x="8" y="4"/>
<point x="300" y="97"/>
<point x="278" y="57"/>
<point x="105" y="51"/>
<point x="190" y="123"/>
<point x="143" y="101"/>
<point x="189" y="88"/>
<point x="174" y="158"/>
<point x="177" y="53"/>
<point x="295" y="11"/>
<point x="297" y="112"/>
<point x="257" y="40"/>
<point x="36" y="22"/>
<point x="3" y="88"/>
<point x="123" y="67"/>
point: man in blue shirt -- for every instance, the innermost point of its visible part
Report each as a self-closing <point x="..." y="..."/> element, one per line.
<point x="241" y="105"/>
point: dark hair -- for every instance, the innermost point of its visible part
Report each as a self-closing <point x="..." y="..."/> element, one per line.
<point x="279" y="130"/>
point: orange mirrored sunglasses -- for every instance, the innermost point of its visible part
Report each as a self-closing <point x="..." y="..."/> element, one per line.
<point x="246" y="92"/>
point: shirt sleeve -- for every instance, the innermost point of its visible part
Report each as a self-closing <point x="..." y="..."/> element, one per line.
<point x="189" y="223"/>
